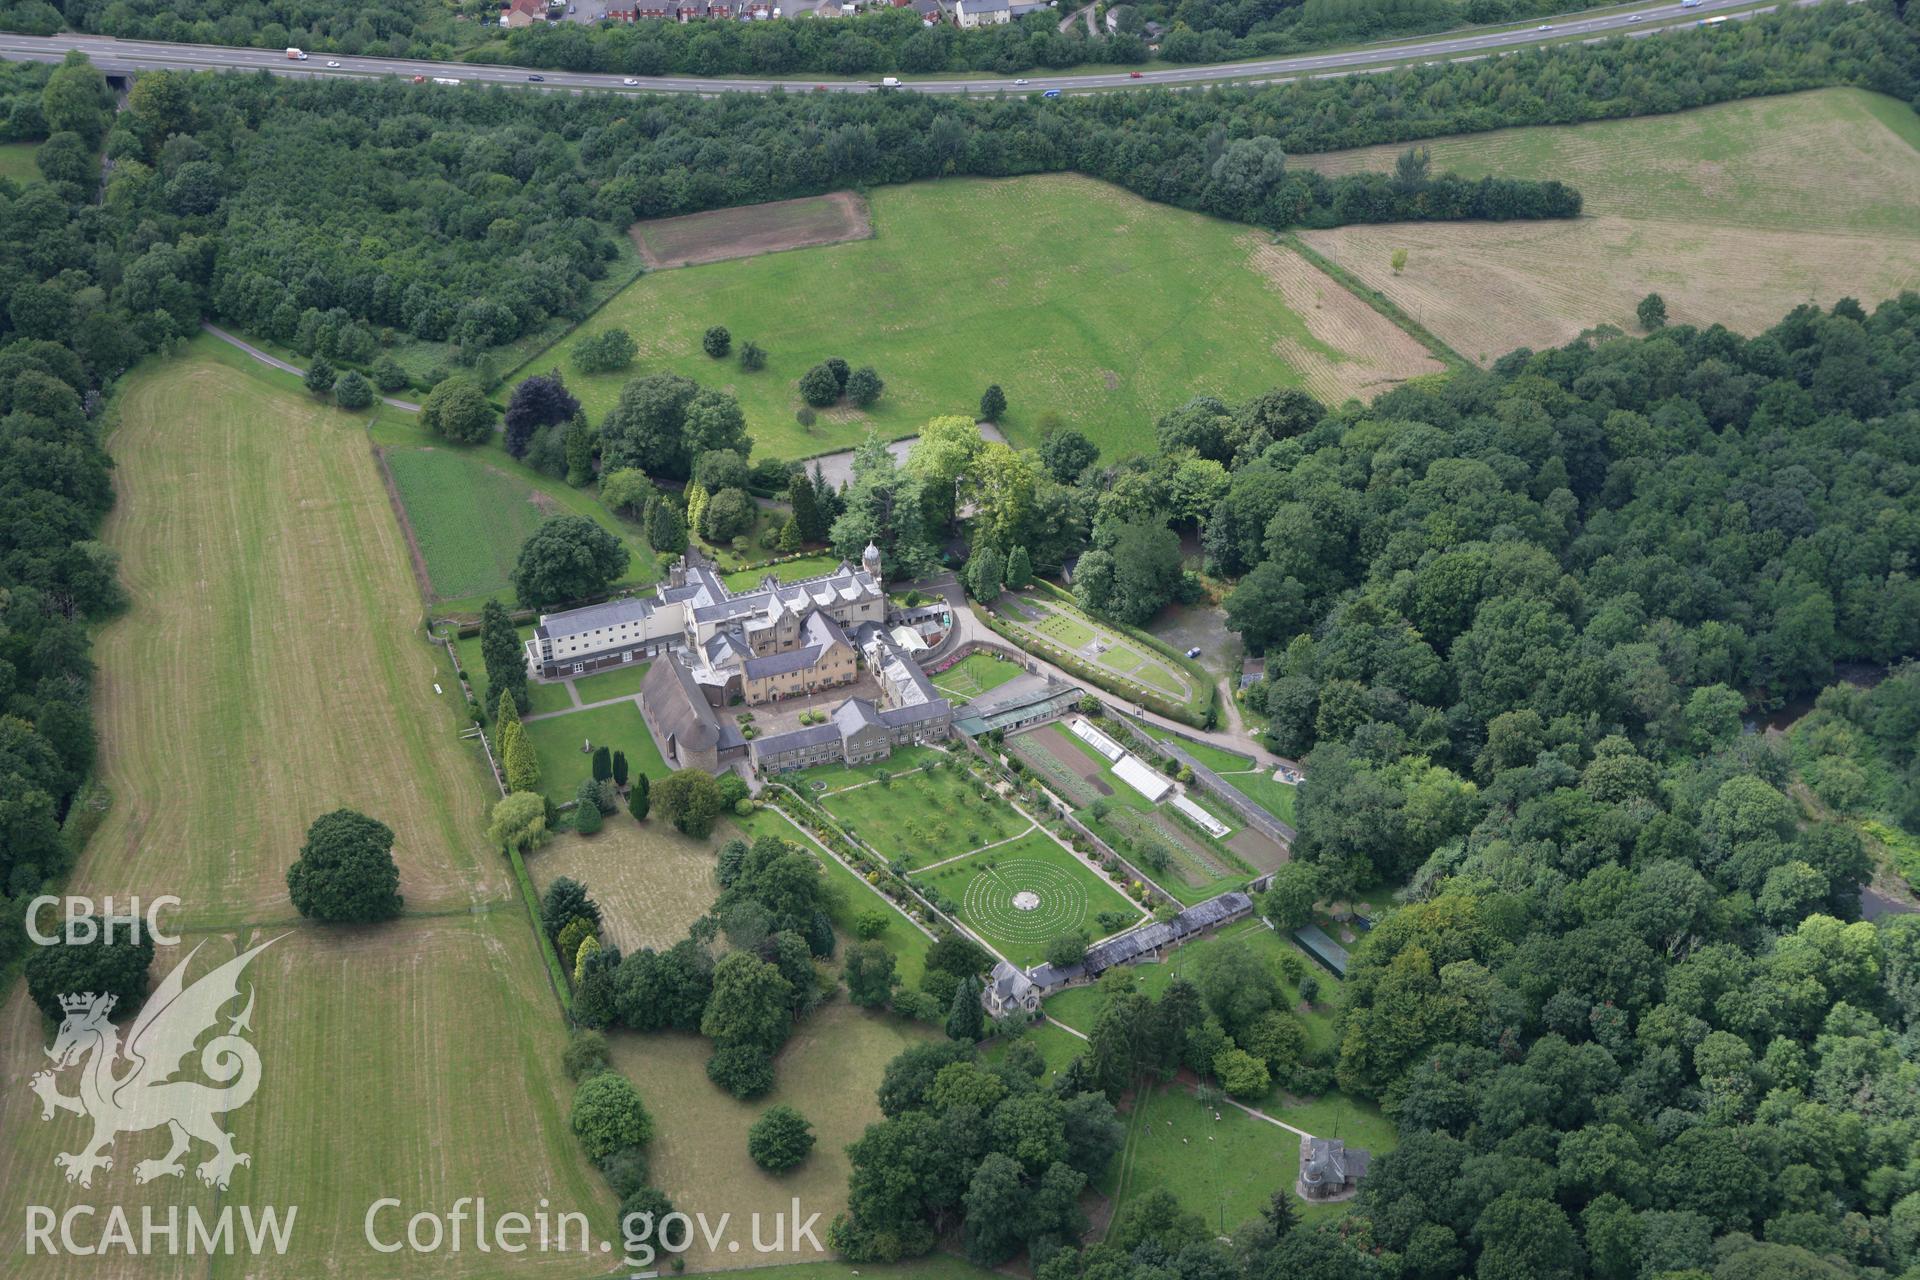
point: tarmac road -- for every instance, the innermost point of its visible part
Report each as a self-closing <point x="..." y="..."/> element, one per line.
<point x="113" y="55"/>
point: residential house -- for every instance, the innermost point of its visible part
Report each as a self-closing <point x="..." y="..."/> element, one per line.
<point x="1329" y="1169"/>
<point x="982" y="13"/>
<point x="522" y="13"/>
<point x="1009" y="991"/>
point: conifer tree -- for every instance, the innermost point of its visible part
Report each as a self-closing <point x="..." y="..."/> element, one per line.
<point x="602" y="764"/>
<point x="965" y="1017"/>
<point x="806" y="509"/>
<point x="500" y="651"/>
<point x="638" y="801"/>
<point x="619" y="768"/>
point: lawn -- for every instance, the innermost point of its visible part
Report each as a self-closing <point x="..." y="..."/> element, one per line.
<point x="1076" y="297"/>
<point x="855" y="897"/>
<point x="563" y="765"/>
<point x="1058" y="1047"/>
<point x="470" y="507"/>
<point x="542" y="696"/>
<point x="651" y="882"/>
<point x="264" y="568"/>
<point x="1216" y="758"/>
<point x="1223" y="1163"/>
<point x="829" y="1071"/>
<point x="788" y="571"/>
<point x="16" y="161"/>
<point x="1258" y="786"/>
<point x="989" y="888"/>
<point x="924" y="817"/>
<point x="974" y="675"/>
<point x="1732" y="213"/>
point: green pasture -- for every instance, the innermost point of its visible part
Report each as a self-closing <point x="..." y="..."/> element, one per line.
<point x="1258" y="786"/>
<point x="1077" y="298"/>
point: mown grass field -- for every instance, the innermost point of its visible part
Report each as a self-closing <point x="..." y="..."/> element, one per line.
<point x="651" y="882"/>
<point x="1221" y="1162"/>
<point x="1078" y="298"/>
<point x="829" y="1071"/>
<point x="270" y="668"/>
<point x="1733" y="213"/>
<point x="790" y="571"/>
<point x="469" y="507"/>
<point x="1276" y="798"/>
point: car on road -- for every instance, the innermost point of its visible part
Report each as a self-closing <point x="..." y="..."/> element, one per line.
<point x="1135" y="75"/>
<point x="537" y="79"/>
<point x="1545" y="26"/>
<point x="1051" y="93"/>
<point x="629" y="81"/>
<point x="1019" y="82"/>
<point x="332" y="63"/>
<point x="1194" y="652"/>
<point x="1635" y="17"/>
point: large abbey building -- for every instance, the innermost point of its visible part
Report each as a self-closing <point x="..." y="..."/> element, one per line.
<point x="713" y="648"/>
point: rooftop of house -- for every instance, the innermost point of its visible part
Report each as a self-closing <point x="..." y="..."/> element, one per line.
<point x="558" y="626"/>
<point x="1008" y="982"/>
<point x="983" y="6"/>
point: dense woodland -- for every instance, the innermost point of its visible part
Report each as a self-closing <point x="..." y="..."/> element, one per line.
<point x="89" y="289"/>
<point x="1628" y="1021"/>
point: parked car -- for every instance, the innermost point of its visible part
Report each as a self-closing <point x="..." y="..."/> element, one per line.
<point x="1194" y="652"/>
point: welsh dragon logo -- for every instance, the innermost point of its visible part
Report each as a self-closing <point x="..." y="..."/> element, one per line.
<point x="129" y="1089"/>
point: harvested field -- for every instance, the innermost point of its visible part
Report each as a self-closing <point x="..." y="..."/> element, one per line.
<point x="1357" y="352"/>
<point x="1733" y="214"/>
<point x="1485" y="288"/>
<point x="262" y="565"/>
<point x="751" y="230"/>
<point x="651" y="882"/>
<point x="829" y="1071"/>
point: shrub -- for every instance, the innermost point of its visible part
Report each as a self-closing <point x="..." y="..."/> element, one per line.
<point x="864" y="386"/>
<point x="608" y="1116"/>
<point x="716" y="342"/>
<point x="605" y="352"/>
<point x="753" y="357"/>
<point x="353" y="392"/>
<point x="818" y="386"/>
<point x="319" y="376"/>
<point x="458" y="410"/>
<point x="586" y="1056"/>
<point x="780" y="1139"/>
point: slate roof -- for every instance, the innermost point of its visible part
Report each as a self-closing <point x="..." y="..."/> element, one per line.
<point x="984" y="6"/>
<point x="812" y="735"/>
<point x="1146" y="939"/>
<point x="595" y="616"/>
<point x="817" y="634"/>
<point x="679" y="706"/>
<point x="1008" y="982"/>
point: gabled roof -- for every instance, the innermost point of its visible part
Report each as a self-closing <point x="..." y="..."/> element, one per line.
<point x="679" y="705"/>
<point x="595" y="616"/>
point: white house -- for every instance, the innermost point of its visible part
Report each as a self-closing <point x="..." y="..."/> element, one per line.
<point x="982" y="13"/>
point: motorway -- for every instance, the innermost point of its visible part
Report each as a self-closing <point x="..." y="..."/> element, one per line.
<point x="112" y="55"/>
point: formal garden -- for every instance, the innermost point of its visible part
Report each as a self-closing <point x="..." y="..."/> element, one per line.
<point x="1019" y="897"/>
<point x="915" y="817"/>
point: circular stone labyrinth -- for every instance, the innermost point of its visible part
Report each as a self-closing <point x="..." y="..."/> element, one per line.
<point x="1025" y="900"/>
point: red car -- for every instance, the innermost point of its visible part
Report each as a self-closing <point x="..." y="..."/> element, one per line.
<point x="1134" y="75"/>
